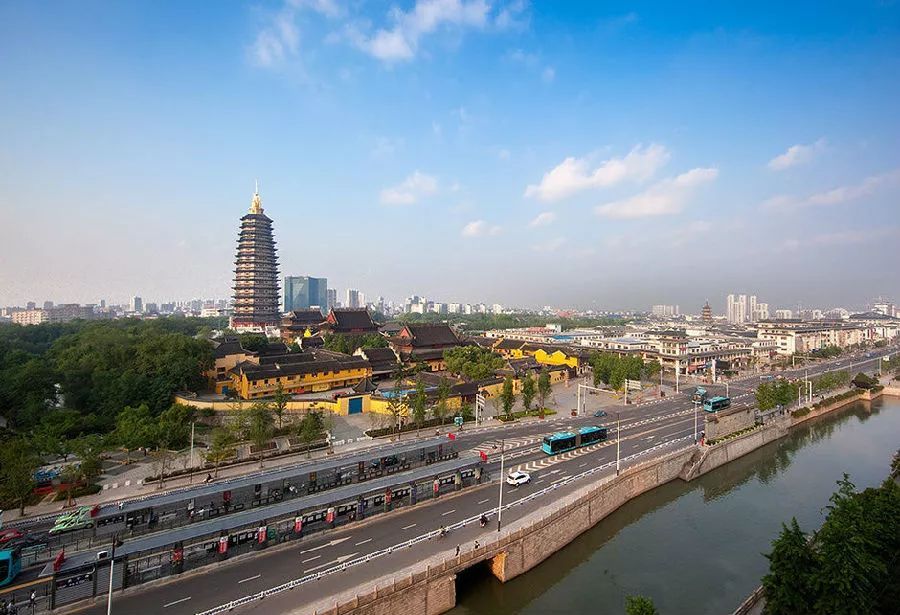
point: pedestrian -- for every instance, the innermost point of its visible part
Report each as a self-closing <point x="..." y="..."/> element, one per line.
<point x="457" y="550"/>
<point x="477" y="545"/>
<point x="32" y="600"/>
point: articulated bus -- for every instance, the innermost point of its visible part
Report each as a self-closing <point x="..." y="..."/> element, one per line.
<point x="566" y="440"/>
<point x="714" y="404"/>
<point x="10" y="565"/>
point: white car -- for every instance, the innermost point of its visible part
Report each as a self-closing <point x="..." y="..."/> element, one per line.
<point x="518" y="478"/>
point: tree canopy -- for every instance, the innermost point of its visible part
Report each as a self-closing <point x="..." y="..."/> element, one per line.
<point x="849" y="566"/>
<point x="348" y="344"/>
<point x="472" y="362"/>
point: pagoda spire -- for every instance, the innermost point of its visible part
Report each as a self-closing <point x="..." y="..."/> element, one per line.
<point x="256" y="203"/>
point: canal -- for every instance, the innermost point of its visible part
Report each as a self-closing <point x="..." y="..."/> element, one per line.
<point x="698" y="547"/>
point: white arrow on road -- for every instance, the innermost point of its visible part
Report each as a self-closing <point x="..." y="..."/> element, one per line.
<point x="339" y="560"/>
<point x="330" y="543"/>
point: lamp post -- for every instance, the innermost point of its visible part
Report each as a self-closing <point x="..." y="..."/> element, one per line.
<point x="618" y="439"/>
<point x="502" y="480"/>
<point x="112" y="563"/>
<point x="696" y="404"/>
<point x="191" y="473"/>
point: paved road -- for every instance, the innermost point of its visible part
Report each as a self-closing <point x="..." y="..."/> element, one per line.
<point x="647" y="426"/>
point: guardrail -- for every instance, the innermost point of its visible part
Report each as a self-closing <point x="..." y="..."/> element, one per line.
<point x="428" y="535"/>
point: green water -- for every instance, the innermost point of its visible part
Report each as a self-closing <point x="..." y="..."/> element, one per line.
<point x="697" y="547"/>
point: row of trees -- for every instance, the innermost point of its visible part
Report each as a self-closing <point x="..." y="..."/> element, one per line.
<point x="850" y="565"/>
<point x="484" y="322"/>
<point x="776" y="393"/>
<point x="613" y="369"/>
<point x="348" y="344"/>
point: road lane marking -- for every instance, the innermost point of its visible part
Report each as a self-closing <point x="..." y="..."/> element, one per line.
<point x="409" y="527"/>
<point x="583" y="464"/>
<point x="339" y="560"/>
<point x="310" y="559"/>
<point x="484" y="500"/>
<point x="165" y="606"/>
<point x="363" y="542"/>
<point x="249" y="579"/>
<point x="449" y="512"/>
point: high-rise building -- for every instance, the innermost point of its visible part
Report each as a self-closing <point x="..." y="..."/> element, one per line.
<point x="302" y="292"/>
<point x="664" y="311"/>
<point x="331" y="295"/>
<point x="256" y="272"/>
<point x="48" y="305"/>
<point x="784" y="314"/>
<point x="136" y="305"/>
<point x="352" y="298"/>
<point x="736" y="309"/>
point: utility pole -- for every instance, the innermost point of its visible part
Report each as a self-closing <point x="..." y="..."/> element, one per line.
<point x="502" y="481"/>
<point x="618" y="439"/>
<point x="695" y="402"/>
<point x="191" y="473"/>
<point x="112" y="563"/>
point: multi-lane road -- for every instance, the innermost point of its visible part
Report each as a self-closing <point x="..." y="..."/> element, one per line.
<point x="653" y="427"/>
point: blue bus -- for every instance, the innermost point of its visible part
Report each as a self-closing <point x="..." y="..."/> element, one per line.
<point x="10" y="565"/>
<point x="566" y="440"/>
<point x="714" y="404"/>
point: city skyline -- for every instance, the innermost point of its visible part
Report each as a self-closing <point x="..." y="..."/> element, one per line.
<point x="679" y="166"/>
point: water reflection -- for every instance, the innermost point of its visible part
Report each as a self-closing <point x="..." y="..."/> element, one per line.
<point x="696" y="547"/>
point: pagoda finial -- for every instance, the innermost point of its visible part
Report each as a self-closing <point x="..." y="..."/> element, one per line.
<point x="256" y="203"/>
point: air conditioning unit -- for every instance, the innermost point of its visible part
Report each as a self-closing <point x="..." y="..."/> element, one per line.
<point x="102" y="555"/>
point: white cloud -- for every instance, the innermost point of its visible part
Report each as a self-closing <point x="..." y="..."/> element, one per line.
<point x="513" y="16"/>
<point x="796" y="154"/>
<point x="385" y="147"/>
<point x="503" y="154"/>
<point x="543" y="219"/>
<point x="836" y="196"/>
<point x="279" y="40"/>
<point x="410" y="190"/>
<point x="574" y="175"/>
<point x="841" y="238"/>
<point x="662" y="198"/>
<point x="548" y="74"/>
<point x="401" y="40"/>
<point x="479" y="228"/>
<point x="551" y="245"/>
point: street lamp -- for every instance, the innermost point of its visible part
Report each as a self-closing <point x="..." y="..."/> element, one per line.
<point x="502" y="480"/>
<point x="696" y="404"/>
<point x="618" y="439"/>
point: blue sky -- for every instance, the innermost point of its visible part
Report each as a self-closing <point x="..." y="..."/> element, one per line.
<point x="596" y="154"/>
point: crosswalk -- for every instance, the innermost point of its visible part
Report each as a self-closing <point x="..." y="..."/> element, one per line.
<point x="493" y="446"/>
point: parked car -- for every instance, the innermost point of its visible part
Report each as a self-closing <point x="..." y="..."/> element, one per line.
<point x="600" y="413"/>
<point x="10" y="534"/>
<point x="518" y="478"/>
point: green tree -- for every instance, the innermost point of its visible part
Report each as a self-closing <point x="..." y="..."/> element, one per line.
<point x="174" y="425"/>
<point x="135" y="428"/>
<point x="443" y="392"/>
<point x="253" y="341"/>
<point x="419" y="404"/>
<point x="543" y="389"/>
<point x="472" y="362"/>
<point x="765" y="396"/>
<point x="792" y="567"/>
<point x="851" y="572"/>
<point x="396" y="407"/>
<point x="18" y="461"/>
<point x="862" y="381"/>
<point x="259" y="427"/>
<point x="528" y="391"/>
<point x="89" y="451"/>
<point x="309" y="429"/>
<point x="618" y="375"/>
<point x="220" y="448"/>
<point x="508" y="396"/>
<point x="639" y="605"/>
<point x="279" y="403"/>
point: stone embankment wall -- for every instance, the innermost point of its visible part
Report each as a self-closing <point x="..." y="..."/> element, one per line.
<point x="429" y="589"/>
<point x="720" y="424"/>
